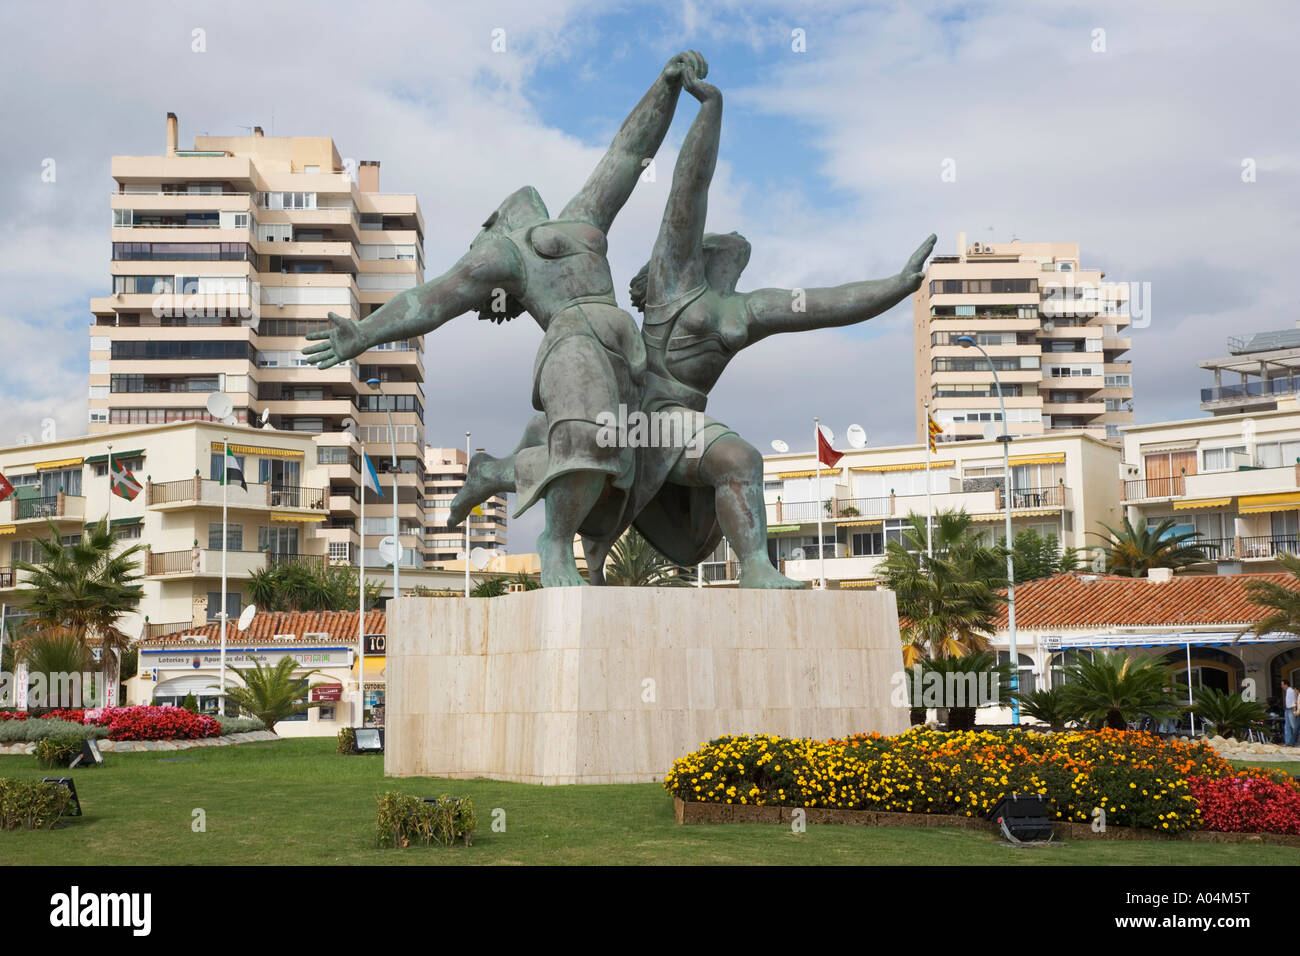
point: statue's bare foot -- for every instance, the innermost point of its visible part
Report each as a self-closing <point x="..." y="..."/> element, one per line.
<point x="760" y="574"/>
<point x="559" y="570"/>
<point x="480" y="485"/>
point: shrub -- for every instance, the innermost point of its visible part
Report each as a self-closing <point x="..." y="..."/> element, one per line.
<point x="1140" y="779"/>
<point x="190" y="703"/>
<point x="157" y="723"/>
<point x="404" y="819"/>
<point x="28" y="731"/>
<point x="58" y="750"/>
<point x="240" y="725"/>
<point x="31" y="804"/>
<point x="1230" y="715"/>
<point x="347" y="740"/>
<point x="1247" y="804"/>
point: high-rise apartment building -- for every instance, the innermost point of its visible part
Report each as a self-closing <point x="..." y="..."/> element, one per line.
<point x="1056" y="334"/>
<point x="445" y="470"/>
<point x="224" y="257"/>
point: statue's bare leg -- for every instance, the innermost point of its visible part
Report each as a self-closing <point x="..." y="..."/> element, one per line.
<point x="485" y="477"/>
<point x="569" y="498"/>
<point x="735" y="470"/>
<point x="595" y="552"/>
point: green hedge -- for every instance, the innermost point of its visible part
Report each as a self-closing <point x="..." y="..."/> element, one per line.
<point x="31" y="804"/>
<point x="29" y="731"/>
<point x="240" y="725"/>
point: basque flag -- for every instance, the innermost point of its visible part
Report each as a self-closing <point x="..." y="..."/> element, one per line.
<point x="369" y="477"/>
<point x="120" y="480"/>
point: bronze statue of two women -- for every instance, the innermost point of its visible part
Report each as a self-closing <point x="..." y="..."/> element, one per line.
<point x="594" y="360"/>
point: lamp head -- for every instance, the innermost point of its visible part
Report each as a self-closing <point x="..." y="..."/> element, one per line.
<point x="965" y="341"/>
<point x="372" y="382"/>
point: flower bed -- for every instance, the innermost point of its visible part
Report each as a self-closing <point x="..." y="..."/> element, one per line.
<point x="1247" y="805"/>
<point x="1139" y="779"/>
<point x="132" y="723"/>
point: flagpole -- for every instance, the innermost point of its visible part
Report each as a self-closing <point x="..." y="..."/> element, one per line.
<point x="467" y="517"/>
<point x="103" y="650"/>
<point x="361" y="601"/>
<point x="821" y="541"/>
<point x="929" y="508"/>
<point x="225" y="535"/>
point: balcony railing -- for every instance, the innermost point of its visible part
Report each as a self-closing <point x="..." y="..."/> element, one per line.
<point x="1048" y="496"/>
<point x="297" y="496"/>
<point x="282" y="560"/>
<point x="1264" y="387"/>
<point x="1216" y="548"/>
<point x="719" y="570"/>
<point x="173" y="562"/>
<point x="6" y="577"/>
<point x="1155" y="488"/>
<point x="1269" y="545"/>
<point x="863" y="507"/>
<point x="47" y="507"/>
<point x="154" y="629"/>
<point x="207" y="491"/>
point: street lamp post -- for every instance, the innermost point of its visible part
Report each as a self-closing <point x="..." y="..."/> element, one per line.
<point x="967" y="341"/>
<point x="397" y="542"/>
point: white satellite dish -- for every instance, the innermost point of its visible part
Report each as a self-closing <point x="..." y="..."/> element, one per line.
<point x="1049" y="326"/>
<point x="796" y="554"/>
<point x="479" y="558"/>
<point x="828" y="434"/>
<point x="230" y="420"/>
<point x="246" y="617"/>
<point x="857" y="436"/>
<point x="220" y="406"/>
<point x="391" y="550"/>
<point x="779" y="446"/>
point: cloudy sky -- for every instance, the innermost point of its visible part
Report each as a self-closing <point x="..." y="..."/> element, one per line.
<point x="1121" y="126"/>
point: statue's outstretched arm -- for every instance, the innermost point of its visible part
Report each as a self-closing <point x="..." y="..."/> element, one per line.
<point x="471" y="282"/>
<point x="677" y="263"/>
<point x="636" y="142"/>
<point x="797" y="310"/>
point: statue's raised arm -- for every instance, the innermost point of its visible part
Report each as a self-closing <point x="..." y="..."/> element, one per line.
<point x="634" y="146"/>
<point x="467" y="285"/>
<point x="798" y="310"/>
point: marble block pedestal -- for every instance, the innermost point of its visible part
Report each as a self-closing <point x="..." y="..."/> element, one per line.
<point x="610" y="685"/>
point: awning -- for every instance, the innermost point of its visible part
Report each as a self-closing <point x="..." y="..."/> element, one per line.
<point x="1175" y="639"/>
<point x="1202" y="503"/>
<point x="1051" y="459"/>
<point x="905" y="466"/>
<point x="771" y="527"/>
<point x="1016" y="513"/>
<point x="286" y="516"/>
<point x="810" y="473"/>
<point x="119" y="455"/>
<point x="119" y="522"/>
<point x="58" y="463"/>
<point x="1256" y="504"/>
<point x="8" y="529"/>
<point x="1187" y="445"/>
<point x="375" y="672"/>
<point x="856" y="523"/>
<point x="258" y="450"/>
<point x="858" y="583"/>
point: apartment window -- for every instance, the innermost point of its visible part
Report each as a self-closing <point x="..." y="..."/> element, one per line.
<point x="234" y="536"/>
<point x="1119" y="381"/>
<point x="215" y="467"/>
<point x="288" y="200"/>
<point x="132" y="465"/>
<point x="983" y="286"/>
<point x="275" y="232"/>
<point x="24" y="551"/>
<point x="1276" y="454"/>
<point x="278" y="541"/>
<point x="142" y="285"/>
<point x="340" y="551"/>
<point x="1220" y="459"/>
<point x="173" y="350"/>
<point x="868" y="542"/>
<point x="233" y="605"/>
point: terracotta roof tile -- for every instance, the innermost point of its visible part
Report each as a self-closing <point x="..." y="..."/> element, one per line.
<point x="1076" y="600"/>
<point x="339" y="625"/>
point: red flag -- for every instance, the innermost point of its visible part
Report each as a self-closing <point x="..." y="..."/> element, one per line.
<point x="6" y="489"/>
<point x="827" y="455"/>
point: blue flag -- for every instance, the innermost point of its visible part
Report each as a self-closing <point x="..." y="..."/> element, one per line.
<point x="369" y="477"/>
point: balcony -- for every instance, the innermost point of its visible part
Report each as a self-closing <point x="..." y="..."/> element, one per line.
<point x="206" y="562"/>
<point x="1251" y="392"/>
<point x="1141" y="489"/>
<point x="58" y="508"/>
<point x="205" y="492"/>
<point x="837" y="568"/>
<point x="1026" y="499"/>
<point x="1264" y="547"/>
<point x="8" y="577"/>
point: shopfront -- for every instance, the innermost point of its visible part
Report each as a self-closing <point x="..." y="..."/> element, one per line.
<point x="374" y="679"/>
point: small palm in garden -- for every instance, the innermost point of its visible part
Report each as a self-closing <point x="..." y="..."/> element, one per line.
<point x="1049" y="706"/>
<point x="635" y="563"/>
<point x="1230" y="715"/>
<point x="271" y="693"/>
<point x="1112" y="688"/>
<point x="1133" y="551"/>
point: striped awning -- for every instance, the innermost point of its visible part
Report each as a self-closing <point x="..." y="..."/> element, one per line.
<point x="288" y="516"/>
<point x="810" y="473"/>
<point x="57" y="463"/>
<point x="903" y="466"/>
<point x="1257" y="504"/>
<point x="1016" y="513"/>
<point x="8" y="529"/>
<point x="856" y="522"/>
<point x="261" y="450"/>
<point x="1050" y="459"/>
<point x="1202" y="503"/>
<point x="119" y="522"/>
<point x="1175" y="638"/>
<point x="859" y="583"/>
<point x="783" y="527"/>
<point x="119" y="455"/>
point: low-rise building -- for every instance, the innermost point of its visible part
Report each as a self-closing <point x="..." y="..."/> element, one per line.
<point x="1232" y="480"/>
<point x="1062" y="485"/>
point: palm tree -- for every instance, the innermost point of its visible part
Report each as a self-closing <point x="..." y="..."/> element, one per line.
<point x="1135" y="551"/>
<point x="1230" y="715"/>
<point x="634" y="563"/>
<point x="490" y="587"/>
<point x="271" y="694"/>
<point x="85" y="588"/>
<point x="947" y="601"/>
<point x="55" y="650"/>
<point x="1048" y="705"/>
<point x="306" y="585"/>
<point x="1281" y="600"/>
<point x="1113" y="688"/>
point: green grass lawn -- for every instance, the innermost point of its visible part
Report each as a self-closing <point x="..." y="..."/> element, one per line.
<point x="297" y="802"/>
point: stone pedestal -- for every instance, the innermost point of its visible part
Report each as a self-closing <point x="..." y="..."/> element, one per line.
<point x="610" y="685"/>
